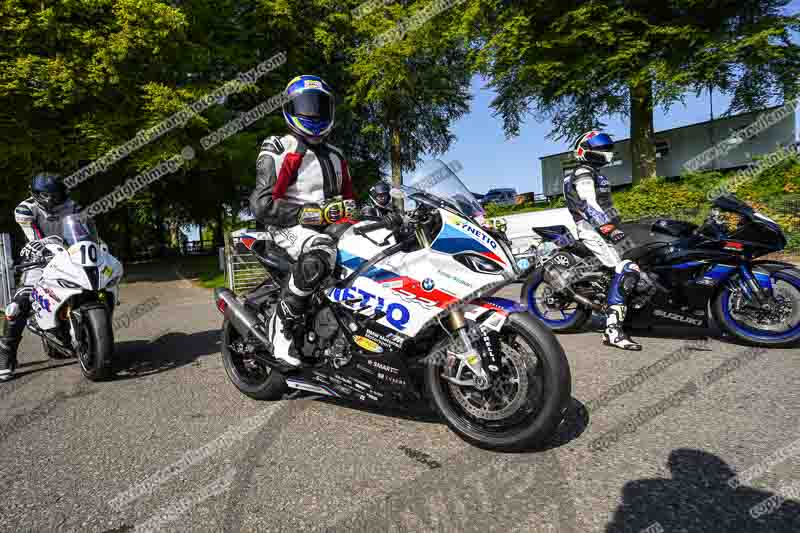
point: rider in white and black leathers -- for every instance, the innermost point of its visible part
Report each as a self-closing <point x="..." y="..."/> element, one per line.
<point x="588" y="196"/>
<point x="302" y="185"/>
<point x="40" y="217"/>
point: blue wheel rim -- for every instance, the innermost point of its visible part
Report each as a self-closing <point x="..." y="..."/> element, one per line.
<point x="540" y="314"/>
<point x="754" y="333"/>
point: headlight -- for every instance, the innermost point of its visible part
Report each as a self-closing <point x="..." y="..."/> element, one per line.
<point x="478" y="263"/>
<point x="68" y="284"/>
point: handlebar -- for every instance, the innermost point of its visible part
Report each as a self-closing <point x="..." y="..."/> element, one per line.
<point x="28" y="266"/>
<point x="367" y="228"/>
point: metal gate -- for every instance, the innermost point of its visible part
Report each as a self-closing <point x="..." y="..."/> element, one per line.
<point x="7" y="284"/>
<point x="243" y="272"/>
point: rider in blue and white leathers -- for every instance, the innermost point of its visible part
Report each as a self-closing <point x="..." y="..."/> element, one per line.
<point x="588" y="196"/>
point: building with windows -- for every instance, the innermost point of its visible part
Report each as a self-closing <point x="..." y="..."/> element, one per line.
<point x="674" y="147"/>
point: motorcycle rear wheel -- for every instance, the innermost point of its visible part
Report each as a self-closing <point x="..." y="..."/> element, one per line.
<point x="251" y="377"/>
<point x="535" y="371"/>
<point x="571" y="320"/>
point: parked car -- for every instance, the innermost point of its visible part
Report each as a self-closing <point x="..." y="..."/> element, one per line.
<point x="500" y="197"/>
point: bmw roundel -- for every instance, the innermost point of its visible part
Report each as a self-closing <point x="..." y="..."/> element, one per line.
<point x="427" y="284"/>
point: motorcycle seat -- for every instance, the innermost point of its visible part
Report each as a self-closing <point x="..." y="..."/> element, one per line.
<point x="272" y="256"/>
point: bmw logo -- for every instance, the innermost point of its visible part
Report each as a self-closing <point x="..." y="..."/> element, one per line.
<point x="523" y="264"/>
<point x="428" y="284"/>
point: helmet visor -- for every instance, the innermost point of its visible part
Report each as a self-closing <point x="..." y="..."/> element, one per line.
<point x="601" y="143"/>
<point x="382" y="199"/>
<point x="311" y="104"/>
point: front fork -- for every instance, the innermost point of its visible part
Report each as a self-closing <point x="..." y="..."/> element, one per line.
<point x="748" y="283"/>
<point x="464" y="355"/>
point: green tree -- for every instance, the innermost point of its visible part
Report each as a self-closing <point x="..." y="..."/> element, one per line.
<point x="408" y="90"/>
<point x="576" y="61"/>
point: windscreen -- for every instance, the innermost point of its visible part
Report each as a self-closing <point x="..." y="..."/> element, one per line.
<point x="438" y="181"/>
<point x="78" y="228"/>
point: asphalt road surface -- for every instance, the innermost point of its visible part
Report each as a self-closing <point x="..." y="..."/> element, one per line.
<point x="171" y="445"/>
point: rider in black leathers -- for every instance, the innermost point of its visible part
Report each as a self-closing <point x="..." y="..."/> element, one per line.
<point x="40" y="217"/>
<point x="380" y="201"/>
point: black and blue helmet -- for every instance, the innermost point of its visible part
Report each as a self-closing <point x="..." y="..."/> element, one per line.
<point x="310" y="108"/>
<point x="48" y="190"/>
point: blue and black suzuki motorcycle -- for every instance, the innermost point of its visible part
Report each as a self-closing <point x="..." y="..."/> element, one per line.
<point x="690" y="275"/>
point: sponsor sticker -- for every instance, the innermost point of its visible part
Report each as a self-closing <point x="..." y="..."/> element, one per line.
<point x="367" y="344"/>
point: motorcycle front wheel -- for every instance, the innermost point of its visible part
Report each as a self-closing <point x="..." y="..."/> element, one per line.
<point x="97" y="344"/>
<point x="778" y="327"/>
<point x="523" y="408"/>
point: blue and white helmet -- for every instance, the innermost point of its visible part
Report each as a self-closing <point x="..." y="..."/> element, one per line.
<point x="309" y="112"/>
<point x="594" y="147"/>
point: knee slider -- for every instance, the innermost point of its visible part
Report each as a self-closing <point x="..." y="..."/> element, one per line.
<point x="311" y="269"/>
<point x="629" y="273"/>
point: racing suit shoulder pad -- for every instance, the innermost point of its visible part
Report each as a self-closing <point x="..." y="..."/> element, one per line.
<point x="279" y="145"/>
<point x="25" y="209"/>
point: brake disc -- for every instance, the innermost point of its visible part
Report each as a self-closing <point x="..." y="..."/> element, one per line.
<point x="506" y="394"/>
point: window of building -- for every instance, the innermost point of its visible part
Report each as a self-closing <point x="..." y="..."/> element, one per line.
<point x="662" y="148"/>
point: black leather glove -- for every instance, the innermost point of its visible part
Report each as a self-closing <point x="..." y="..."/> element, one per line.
<point x="393" y="220"/>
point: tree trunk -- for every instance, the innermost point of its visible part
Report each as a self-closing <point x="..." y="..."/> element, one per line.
<point x="127" y="237"/>
<point x="159" y="229"/>
<point x="219" y="231"/>
<point x="396" y="157"/>
<point x="643" y="139"/>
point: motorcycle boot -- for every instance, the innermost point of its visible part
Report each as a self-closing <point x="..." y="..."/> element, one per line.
<point x="11" y="329"/>
<point x="613" y="334"/>
<point x="285" y="325"/>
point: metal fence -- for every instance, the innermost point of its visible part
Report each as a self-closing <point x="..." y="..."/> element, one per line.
<point x="6" y="270"/>
<point x="243" y="272"/>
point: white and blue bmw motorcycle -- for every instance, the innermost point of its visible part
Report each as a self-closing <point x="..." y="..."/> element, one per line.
<point x="74" y="297"/>
<point x="408" y="315"/>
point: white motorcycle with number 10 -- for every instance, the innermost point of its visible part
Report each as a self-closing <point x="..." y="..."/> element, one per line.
<point x="74" y="298"/>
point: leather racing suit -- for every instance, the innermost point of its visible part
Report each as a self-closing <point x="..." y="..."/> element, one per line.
<point x="587" y="193"/>
<point x="290" y="173"/>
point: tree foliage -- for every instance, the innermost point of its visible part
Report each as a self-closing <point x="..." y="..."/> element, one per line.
<point x="576" y="61"/>
<point x="81" y="77"/>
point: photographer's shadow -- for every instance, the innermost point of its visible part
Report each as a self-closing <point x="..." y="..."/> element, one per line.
<point x="170" y="350"/>
<point x="698" y="498"/>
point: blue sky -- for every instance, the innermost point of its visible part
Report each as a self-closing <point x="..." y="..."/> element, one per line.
<point x="491" y="160"/>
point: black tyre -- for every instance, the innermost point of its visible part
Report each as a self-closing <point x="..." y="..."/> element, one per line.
<point x="557" y="317"/>
<point x="534" y="406"/>
<point x="250" y="376"/>
<point x="97" y="346"/>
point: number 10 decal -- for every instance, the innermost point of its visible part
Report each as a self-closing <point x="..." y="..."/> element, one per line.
<point x="89" y="250"/>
